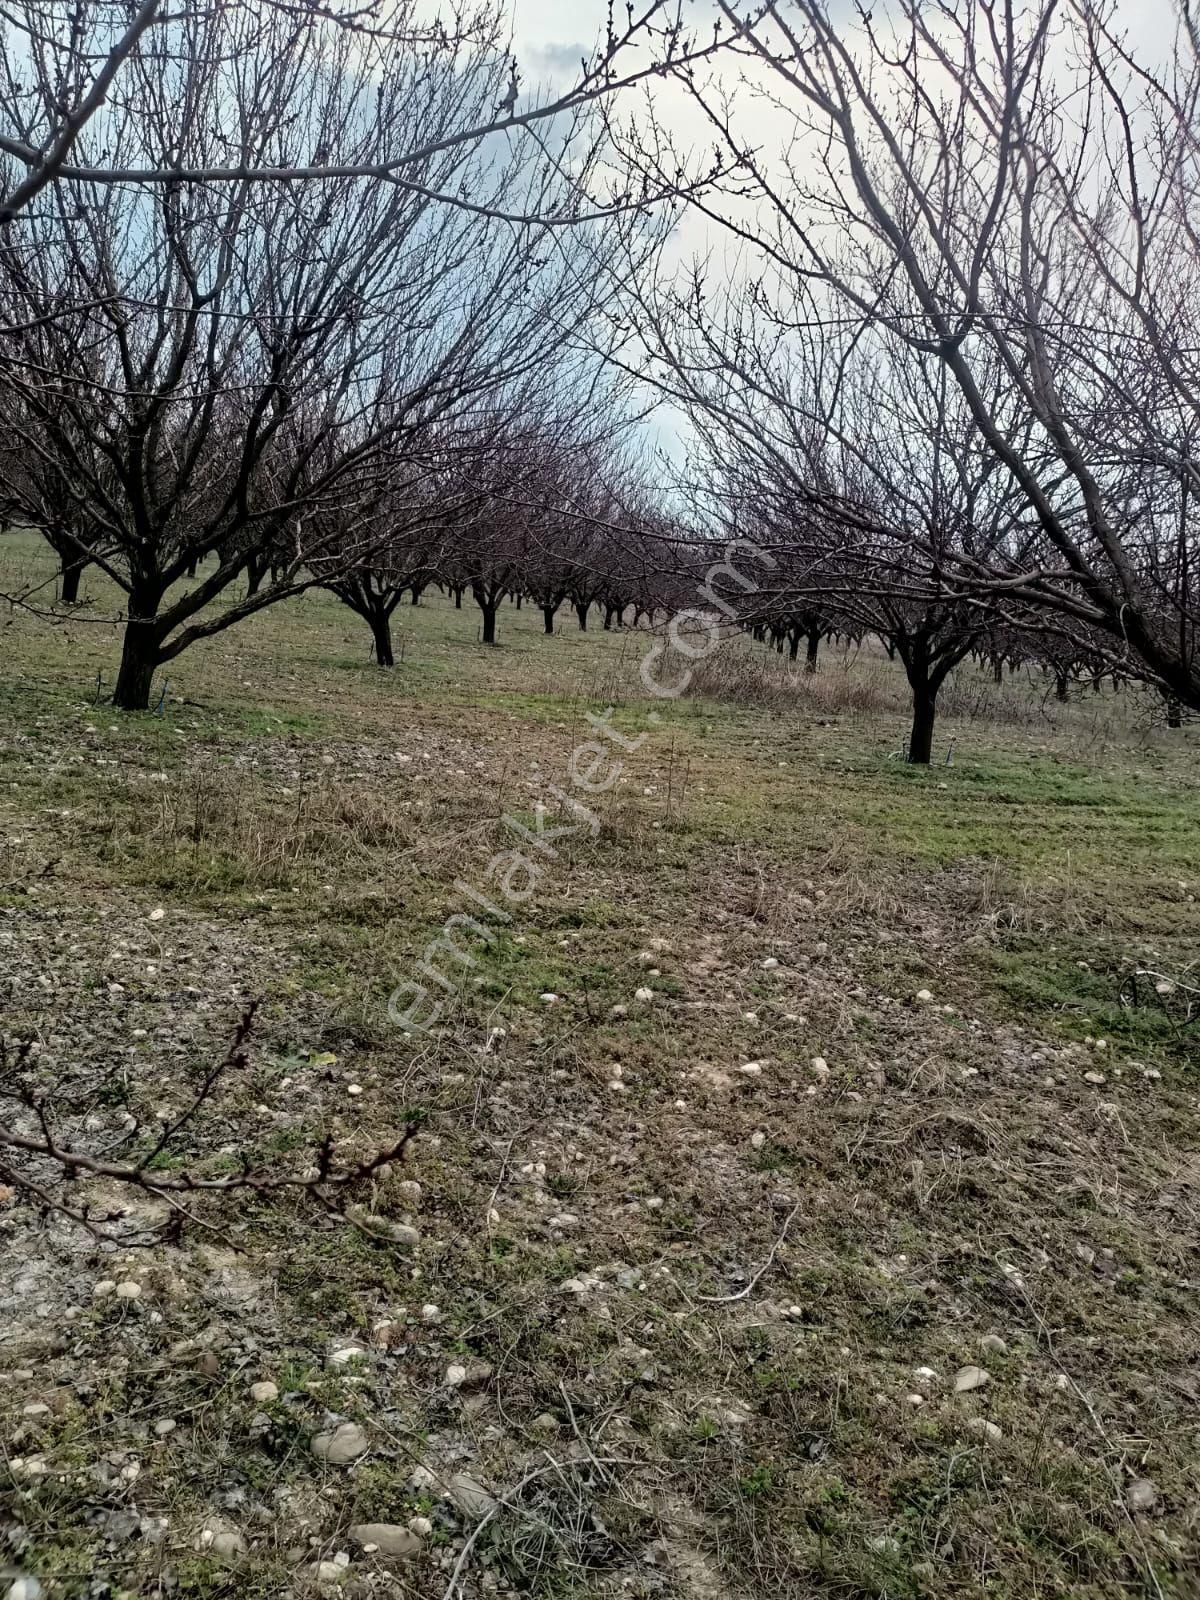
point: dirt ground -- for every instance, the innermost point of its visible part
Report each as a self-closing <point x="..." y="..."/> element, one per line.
<point x="804" y="1191"/>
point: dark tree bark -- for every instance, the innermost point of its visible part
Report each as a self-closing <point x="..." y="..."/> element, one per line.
<point x="1061" y="686"/>
<point x="810" y="659"/>
<point x="68" y="581"/>
<point x="381" y="633"/>
<point x="548" y="617"/>
<point x="458" y="594"/>
<point x="920" y="739"/>
<point x="139" y="662"/>
<point x="581" y="611"/>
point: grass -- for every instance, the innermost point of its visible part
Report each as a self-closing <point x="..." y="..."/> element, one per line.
<point x="765" y="1264"/>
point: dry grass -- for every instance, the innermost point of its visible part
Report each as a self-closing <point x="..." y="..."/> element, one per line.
<point x="720" y="1405"/>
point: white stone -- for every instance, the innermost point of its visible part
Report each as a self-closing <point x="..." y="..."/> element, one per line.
<point x="770" y="964"/>
<point x="263" y="1393"/>
<point x="456" y="1376"/>
<point x="968" y="1378"/>
<point x="643" y="994"/>
<point x="820" y="1066"/>
<point x="925" y="996"/>
<point x="1141" y="1495"/>
<point x="388" y="1538"/>
<point x="758" y="1139"/>
<point x="128" y="1290"/>
<point x="987" y="1430"/>
<point x="341" y="1445"/>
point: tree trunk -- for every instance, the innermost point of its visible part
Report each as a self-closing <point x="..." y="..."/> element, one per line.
<point x="793" y="644"/>
<point x="920" y="740"/>
<point x="548" y="617"/>
<point x="72" y="571"/>
<point x="139" y="661"/>
<point x="1174" y="712"/>
<point x="381" y="633"/>
<point x="518" y="602"/>
<point x="458" y="594"/>
<point x="609" y="613"/>
<point x="1061" y="684"/>
<point x="810" y="659"/>
<point x="489" y="620"/>
<point x="254" y="578"/>
<point x="418" y="589"/>
<point x="581" y="612"/>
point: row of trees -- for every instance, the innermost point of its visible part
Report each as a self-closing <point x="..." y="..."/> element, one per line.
<point x="950" y="382"/>
<point x="306" y="296"/>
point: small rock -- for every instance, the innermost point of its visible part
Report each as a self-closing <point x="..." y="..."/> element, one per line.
<point x="546" y="1423"/>
<point x="165" y="1426"/>
<point x="456" y="1376"/>
<point x="924" y="996"/>
<point x="548" y="999"/>
<point x="820" y="1066"/>
<point x="994" y="1343"/>
<point x="105" y="1287"/>
<point x="770" y="964"/>
<point x="340" y="1445"/>
<point x="643" y="995"/>
<point x="1141" y="1495"/>
<point x="751" y="1069"/>
<point x="987" y="1430"/>
<point x="389" y="1538"/>
<point x="28" y="1588"/>
<point x="421" y="1526"/>
<point x="228" y="1547"/>
<point x="157" y="914"/>
<point x="329" y="1572"/>
<point x="758" y="1139"/>
<point x="263" y="1393"/>
<point x="409" y="1191"/>
<point x="345" y="1354"/>
<point x="403" y="1234"/>
<point x="129" y="1289"/>
<point x="470" y="1497"/>
<point x="969" y="1378"/>
<point x="1094" y="1077"/>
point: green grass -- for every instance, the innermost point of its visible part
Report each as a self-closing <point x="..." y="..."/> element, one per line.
<point x="956" y="1174"/>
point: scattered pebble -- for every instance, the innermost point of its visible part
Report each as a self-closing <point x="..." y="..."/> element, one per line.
<point x="341" y="1445"/>
<point x="994" y="1343"/>
<point x="968" y="1378"/>
<point x="1141" y="1495"/>
<point x="388" y="1538"/>
<point x="643" y="994"/>
<point x="470" y="1497"/>
<point x="990" y="1431"/>
<point x="263" y="1393"/>
<point x="130" y="1289"/>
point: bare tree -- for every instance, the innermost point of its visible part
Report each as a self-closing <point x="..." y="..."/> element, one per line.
<point x="65" y="61"/>
<point x="205" y="369"/>
<point x="1008" y="190"/>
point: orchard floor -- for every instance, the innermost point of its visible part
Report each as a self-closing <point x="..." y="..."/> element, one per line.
<point x="707" y="1323"/>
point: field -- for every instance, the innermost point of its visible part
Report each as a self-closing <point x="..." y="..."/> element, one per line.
<point x="906" y="1309"/>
